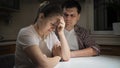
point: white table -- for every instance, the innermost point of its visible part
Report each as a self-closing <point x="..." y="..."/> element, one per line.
<point x="103" y="61"/>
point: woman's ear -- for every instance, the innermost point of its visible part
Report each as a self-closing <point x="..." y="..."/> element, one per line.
<point x="41" y="15"/>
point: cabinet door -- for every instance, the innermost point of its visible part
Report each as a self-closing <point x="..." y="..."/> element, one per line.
<point x="7" y="49"/>
<point x="110" y="49"/>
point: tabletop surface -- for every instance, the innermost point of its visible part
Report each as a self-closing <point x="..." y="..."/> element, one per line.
<point x="102" y="61"/>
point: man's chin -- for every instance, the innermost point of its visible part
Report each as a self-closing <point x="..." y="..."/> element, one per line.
<point x="67" y="24"/>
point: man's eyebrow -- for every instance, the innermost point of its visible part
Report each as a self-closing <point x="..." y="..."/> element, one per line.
<point x="68" y="14"/>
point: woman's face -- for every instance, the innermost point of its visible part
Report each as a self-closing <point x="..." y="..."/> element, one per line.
<point x="51" y="24"/>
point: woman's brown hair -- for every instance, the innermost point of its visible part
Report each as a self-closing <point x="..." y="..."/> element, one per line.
<point x="49" y="9"/>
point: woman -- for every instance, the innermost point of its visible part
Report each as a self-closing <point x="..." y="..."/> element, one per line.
<point x="35" y="43"/>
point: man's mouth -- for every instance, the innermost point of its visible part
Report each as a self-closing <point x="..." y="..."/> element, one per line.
<point x="67" y="22"/>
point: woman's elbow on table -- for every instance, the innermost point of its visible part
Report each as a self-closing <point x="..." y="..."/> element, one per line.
<point x="67" y="58"/>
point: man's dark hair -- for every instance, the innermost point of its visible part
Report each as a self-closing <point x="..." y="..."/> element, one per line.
<point x="71" y="4"/>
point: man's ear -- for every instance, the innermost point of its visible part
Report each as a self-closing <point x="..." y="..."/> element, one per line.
<point x="41" y="15"/>
<point x="79" y="17"/>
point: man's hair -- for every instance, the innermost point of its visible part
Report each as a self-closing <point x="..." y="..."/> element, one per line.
<point x="49" y="9"/>
<point x="71" y="4"/>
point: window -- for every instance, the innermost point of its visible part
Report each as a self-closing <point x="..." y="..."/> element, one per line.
<point x="106" y="12"/>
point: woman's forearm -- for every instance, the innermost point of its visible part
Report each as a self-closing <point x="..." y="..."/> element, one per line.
<point x="40" y="59"/>
<point x="65" y="50"/>
<point x="49" y="62"/>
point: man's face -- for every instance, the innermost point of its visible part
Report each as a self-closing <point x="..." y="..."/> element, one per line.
<point x="71" y="16"/>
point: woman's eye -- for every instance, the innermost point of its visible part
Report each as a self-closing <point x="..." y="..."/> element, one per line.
<point x="52" y="24"/>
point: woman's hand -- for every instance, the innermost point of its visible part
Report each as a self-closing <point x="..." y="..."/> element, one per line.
<point x="52" y="62"/>
<point x="61" y="25"/>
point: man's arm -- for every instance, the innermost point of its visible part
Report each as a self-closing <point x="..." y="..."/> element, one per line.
<point x="83" y="53"/>
<point x="88" y="45"/>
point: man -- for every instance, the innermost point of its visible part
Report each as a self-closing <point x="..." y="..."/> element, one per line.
<point x="80" y="43"/>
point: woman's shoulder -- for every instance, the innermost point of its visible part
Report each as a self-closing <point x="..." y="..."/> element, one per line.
<point x="26" y="30"/>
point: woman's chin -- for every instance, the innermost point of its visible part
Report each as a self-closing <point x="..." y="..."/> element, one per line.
<point x="48" y="32"/>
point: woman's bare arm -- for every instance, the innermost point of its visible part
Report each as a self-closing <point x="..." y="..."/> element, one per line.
<point x="40" y="60"/>
<point x="63" y="50"/>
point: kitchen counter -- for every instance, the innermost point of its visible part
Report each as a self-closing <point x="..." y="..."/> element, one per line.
<point x="7" y="43"/>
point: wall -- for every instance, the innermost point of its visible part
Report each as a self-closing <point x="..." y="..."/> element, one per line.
<point x="27" y="13"/>
<point x="21" y="18"/>
<point x="25" y="16"/>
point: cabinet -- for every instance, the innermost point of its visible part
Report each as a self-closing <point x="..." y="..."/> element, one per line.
<point x="7" y="7"/>
<point x="9" y="4"/>
<point x="7" y="49"/>
<point x="110" y="50"/>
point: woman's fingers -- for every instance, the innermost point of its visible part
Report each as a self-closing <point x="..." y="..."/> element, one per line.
<point x="56" y="50"/>
<point x="61" y="25"/>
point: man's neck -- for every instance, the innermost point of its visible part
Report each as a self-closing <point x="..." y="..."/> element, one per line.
<point x="69" y="28"/>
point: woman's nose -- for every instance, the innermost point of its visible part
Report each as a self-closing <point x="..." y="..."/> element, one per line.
<point x="53" y="27"/>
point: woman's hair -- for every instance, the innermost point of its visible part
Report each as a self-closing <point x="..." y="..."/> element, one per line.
<point x="71" y="4"/>
<point x="49" y="9"/>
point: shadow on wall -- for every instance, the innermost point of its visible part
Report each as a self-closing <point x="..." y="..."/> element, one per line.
<point x="7" y="61"/>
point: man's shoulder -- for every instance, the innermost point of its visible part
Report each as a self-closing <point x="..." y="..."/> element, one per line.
<point x="81" y="29"/>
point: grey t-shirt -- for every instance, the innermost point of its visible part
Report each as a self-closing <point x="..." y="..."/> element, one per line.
<point x="28" y="37"/>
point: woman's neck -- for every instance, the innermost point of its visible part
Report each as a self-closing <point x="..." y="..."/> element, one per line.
<point x="39" y="31"/>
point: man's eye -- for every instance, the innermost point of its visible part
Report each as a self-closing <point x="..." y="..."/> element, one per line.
<point x="72" y="15"/>
<point x="65" y="14"/>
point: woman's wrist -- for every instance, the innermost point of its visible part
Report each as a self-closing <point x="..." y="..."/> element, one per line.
<point x="61" y="33"/>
